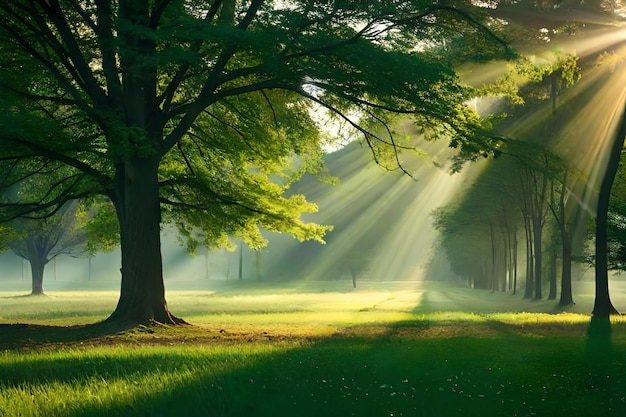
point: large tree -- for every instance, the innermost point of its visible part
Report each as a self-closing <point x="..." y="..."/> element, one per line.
<point x="191" y="111"/>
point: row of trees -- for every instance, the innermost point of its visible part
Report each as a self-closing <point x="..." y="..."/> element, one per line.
<point x="543" y="197"/>
<point x="518" y="206"/>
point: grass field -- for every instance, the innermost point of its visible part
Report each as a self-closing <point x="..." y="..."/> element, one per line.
<point x="316" y="349"/>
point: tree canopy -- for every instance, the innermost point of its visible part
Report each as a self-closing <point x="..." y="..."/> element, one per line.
<point x="202" y="113"/>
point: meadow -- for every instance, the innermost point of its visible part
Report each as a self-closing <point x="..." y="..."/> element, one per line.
<point x="314" y="349"/>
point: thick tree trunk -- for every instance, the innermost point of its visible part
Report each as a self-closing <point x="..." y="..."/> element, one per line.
<point x="37" y="266"/>
<point x="37" y="254"/>
<point x="136" y="199"/>
<point x="602" y="305"/>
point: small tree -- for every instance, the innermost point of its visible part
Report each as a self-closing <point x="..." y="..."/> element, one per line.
<point x="565" y="209"/>
<point x="73" y="230"/>
<point x="39" y="241"/>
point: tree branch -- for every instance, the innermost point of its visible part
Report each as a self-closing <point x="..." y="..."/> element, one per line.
<point x="39" y="150"/>
<point x="92" y="88"/>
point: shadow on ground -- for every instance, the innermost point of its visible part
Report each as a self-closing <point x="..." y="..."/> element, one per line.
<point x="25" y="336"/>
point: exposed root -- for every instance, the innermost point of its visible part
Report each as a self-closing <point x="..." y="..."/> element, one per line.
<point x="121" y="322"/>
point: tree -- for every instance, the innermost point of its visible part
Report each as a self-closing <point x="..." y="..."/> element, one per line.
<point x="187" y="111"/>
<point x="603" y="307"/>
<point x="534" y="187"/>
<point x="616" y="224"/>
<point x="565" y="210"/>
<point x="39" y="241"/>
<point x="77" y="228"/>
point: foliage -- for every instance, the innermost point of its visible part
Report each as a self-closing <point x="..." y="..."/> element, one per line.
<point x="616" y="226"/>
<point x="202" y="114"/>
<point x="49" y="237"/>
<point x="218" y="178"/>
<point x="7" y="234"/>
<point x="524" y="72"/>
<point x="96" y="218"/>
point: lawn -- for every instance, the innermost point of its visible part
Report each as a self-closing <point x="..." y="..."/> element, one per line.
<point x="317" y="349"/>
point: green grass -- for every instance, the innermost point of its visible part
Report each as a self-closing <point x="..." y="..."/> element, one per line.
<point x="312" y="351"/>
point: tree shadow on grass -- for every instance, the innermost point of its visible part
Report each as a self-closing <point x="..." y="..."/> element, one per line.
<point x="405" y="369"/>
<point x="600" y="360"/>
<point x="337" y="376"/>
<point x="25" y="336"/>
<point x="23" y="296"/>
<point x="598" y="346"/>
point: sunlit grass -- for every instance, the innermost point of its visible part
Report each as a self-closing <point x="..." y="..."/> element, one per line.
<point x="363" y="375"/>
<point x="126" y="380"/>
<point x="320" y="303"/>
<point x="410" y="349"/>
<point x="58" y="308"/>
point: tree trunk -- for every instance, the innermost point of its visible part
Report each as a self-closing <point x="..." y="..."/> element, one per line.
<point x="136" y="199"/>
<point x="505" y="247"/>
<point x="602" y="305"/>
<point x="36" y="253"/>
<point x="528" y="290"/>
<point x="241" y="262"/>
<point x="514" y="261"/>
<point x="493" y="286"/>
<point x="258" y="264"/>
<point x="566" y="273"/>
<point x="537" y="234"/>
<point x="553" y="271"/>
<point x="37" y="266"/>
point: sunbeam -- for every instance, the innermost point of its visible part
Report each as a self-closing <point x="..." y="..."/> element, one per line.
<point x="382" y="220"/>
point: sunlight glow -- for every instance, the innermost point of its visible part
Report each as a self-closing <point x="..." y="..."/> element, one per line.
<point x="383" y="225"/>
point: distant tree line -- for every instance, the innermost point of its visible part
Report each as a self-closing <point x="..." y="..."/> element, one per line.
<point x="525" y="221"/>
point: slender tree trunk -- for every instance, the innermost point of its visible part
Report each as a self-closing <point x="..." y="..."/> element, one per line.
<point x="136" y="199"/>
<point x="565" y="227"/>
<point x="566" y="273"/>
<point x="602" y="305"/>
<point x="240" y="276"/>
<point x="553" y="89"/>
<point x="553" y="268"/>
<point x="528" y="291"/>
<point x="259" y="260"/>
<point x="505" y="247"/>
<point x="509" y="248"/>
<point x="514" y="259"/>
<point x="492" y="276"/>
<point x="537" y="226"/>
